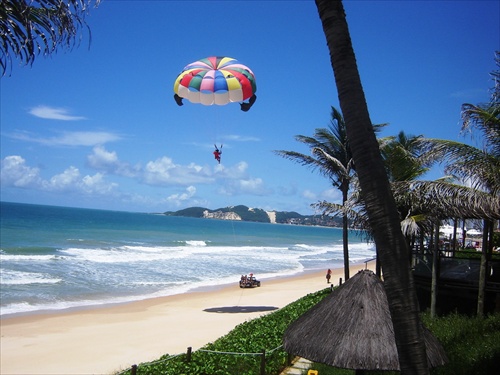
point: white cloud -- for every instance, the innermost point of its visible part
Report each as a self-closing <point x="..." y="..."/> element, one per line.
<point x="52" y="113"/>
<point x="72" y="181"/>
<point x="164" y="172"/>
<point x="15" y="172"/>
<point x="240" y="138"/>
<point x="331" y="195"/>
<point x="107" y="161"/>
<point x="96" y="184"/>
<point x="177" y="199"/>
<point x="69" y="138"/>
<point x="66" y="180"/>
<point x="309" y="194"/>
<point x="252" y="186"/>
<point x="233" y="172"/>
<point x="100" y="158"/>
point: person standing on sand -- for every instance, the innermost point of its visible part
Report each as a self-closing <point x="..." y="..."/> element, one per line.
<point x="328" y="275"/>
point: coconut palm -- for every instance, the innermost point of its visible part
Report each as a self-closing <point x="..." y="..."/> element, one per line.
<point x="404" y="163"/>
<point x="30" y="28"/>
<point x="403" y="157"/>
<point x="331" y="157"/>
<point x="377" y="195"/>
<point x="477" y="167"/>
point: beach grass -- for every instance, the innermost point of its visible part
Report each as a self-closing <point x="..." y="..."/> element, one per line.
<point x="472" y="345"/>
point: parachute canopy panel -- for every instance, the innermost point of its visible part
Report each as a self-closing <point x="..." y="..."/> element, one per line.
<point x="216" y="80"/>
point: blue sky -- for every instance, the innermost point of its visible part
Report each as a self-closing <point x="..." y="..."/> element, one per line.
<point x="98" y="127"/>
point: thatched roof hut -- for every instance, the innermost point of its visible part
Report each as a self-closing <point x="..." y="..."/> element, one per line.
<point x="352" y="328"/>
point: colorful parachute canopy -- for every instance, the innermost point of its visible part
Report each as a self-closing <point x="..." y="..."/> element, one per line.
<point x="216" y="80"/>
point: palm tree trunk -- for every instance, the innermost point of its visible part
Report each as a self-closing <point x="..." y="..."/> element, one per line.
<point x="345" y="236"/>
<point x="464" y="234"/>
<point x="483" y="269"/>
<point x="455" y="228"/>
<point x="435" y="266"/>
<point x="380" y="204"/>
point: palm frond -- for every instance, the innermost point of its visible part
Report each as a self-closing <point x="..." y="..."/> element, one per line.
<point x="30" y="28"/>
<point x="446" y="200"/>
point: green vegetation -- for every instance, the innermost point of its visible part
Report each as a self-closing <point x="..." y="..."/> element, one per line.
<point x="259" y="215"/>
<point x="253" y="336"/>
<point x="471" y="344"/>
<point x="246" y="214"/>
<point x="474" y="254"/>
<point x="189" y="212"/>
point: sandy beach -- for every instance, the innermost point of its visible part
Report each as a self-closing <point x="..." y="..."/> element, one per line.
<point x="103" y="340"/>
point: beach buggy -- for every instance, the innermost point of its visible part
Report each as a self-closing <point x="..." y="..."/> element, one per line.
<point x="249" y="281"/>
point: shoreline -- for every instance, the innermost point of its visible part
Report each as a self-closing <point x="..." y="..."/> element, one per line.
<point x="108" y="338"/>
<point x="196" y="289"/>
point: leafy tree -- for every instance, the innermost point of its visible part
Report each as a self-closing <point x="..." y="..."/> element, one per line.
<point x="30" y="28"/>
<point x="332" y="157"/>
<point x="377" y="195"/>
<point x="477" y="167"/>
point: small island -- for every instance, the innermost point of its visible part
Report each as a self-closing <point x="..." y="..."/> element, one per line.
<point x="245" y="213"/>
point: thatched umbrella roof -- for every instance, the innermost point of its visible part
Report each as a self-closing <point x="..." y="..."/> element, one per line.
<point x="352" y="328"/>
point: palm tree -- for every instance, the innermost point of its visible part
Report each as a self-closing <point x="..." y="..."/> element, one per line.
<point x="28" y="28"/>
<point x="377" y="195"/>
<point x="402" y="156"/>
<point x="478" y="167"/>
<point x="332" y="157"/>
<point x="404" y="163"/>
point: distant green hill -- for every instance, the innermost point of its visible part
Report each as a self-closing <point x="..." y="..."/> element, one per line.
<point x="256" y="215"/>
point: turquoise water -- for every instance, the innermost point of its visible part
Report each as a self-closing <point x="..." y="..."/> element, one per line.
<point x="57" y="257"/>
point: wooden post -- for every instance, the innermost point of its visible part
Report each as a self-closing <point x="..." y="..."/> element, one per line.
<point x="133" y="370"/>
<point x="340" y="281"/>
<point x="263" y="362"/>
<point x="188" y="354"/>
<point x="289" y="356"/>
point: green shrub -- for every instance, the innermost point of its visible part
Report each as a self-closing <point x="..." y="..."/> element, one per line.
<point x="471" y="344"/>
<point x="264" y="333"/>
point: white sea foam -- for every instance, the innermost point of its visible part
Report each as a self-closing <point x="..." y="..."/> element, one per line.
<point x="196" y="243"/>
<point x="8" y="277"/>
<point x="10" y="257"/>
<point x="110" y="263"/>
<point x="126" y="254"/>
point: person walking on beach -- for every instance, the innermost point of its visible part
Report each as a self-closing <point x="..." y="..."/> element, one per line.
<point x="328" y="275"/>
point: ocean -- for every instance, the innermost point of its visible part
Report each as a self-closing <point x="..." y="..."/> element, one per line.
<point x="55" y="258"/>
